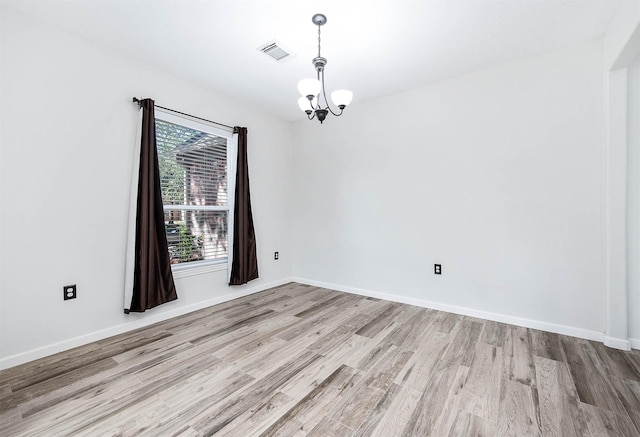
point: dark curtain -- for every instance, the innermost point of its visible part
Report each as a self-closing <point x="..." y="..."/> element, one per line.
<point x="244" y="267"/>
<point x="153" y="280"/>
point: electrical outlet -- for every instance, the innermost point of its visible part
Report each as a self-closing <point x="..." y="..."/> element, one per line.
<point x="437" y="269"/>
<point x="70" y="291"/>
<point x="276" y="255"/>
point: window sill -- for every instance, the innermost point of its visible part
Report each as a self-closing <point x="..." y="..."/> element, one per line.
<point x="182" y="271"/>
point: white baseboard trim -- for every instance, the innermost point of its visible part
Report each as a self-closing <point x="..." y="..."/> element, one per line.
<point x="617" y="343"/>
<point x="149" y="319"/>
<point x="512" y="320"/>
<point x="64" y="345"/>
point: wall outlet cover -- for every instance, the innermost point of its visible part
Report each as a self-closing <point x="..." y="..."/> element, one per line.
<point x="70" y="291"/>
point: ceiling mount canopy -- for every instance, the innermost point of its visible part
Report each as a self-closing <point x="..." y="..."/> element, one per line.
<point x="319" y="19"/>
<point x="313" y="89"/>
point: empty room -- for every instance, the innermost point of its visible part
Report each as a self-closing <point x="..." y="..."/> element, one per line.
<point x="324" y="218"/>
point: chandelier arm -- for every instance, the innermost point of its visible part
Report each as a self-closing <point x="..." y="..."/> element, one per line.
<point x="324" y="93"/>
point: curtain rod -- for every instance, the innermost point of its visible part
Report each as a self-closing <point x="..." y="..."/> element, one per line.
<point x="137" y="100"/>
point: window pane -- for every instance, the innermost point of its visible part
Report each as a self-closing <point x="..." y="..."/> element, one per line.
<point x="193" y="166"/>
<point x="193" y="175"/>
<point x="196" y="235"/>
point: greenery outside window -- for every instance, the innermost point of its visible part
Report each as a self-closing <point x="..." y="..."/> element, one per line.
<point x="193" y="159"/>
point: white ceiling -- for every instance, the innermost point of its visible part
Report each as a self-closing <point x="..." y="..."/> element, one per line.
<point x="374" y="47"/>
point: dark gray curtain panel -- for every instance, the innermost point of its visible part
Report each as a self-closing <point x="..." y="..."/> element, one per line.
<point x="244" y="267"/>
<point x="153" y="282"/>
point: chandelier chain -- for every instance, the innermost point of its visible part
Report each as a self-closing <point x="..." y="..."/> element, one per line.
<point x="318" y="40"/>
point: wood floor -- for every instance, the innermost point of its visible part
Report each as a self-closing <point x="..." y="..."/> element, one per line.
<point x="301" y="360"/>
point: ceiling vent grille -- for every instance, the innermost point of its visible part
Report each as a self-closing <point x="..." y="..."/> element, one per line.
<point x="275" y="51"/>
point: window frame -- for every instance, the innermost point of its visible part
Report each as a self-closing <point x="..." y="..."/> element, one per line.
<point x="192" y="268"/>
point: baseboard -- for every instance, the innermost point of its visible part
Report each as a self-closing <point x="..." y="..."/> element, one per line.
<point x="617" y="343"/>
<point x="64" y="345"/>
<point x="512" y="320"/>
<point x="149" y="319"/>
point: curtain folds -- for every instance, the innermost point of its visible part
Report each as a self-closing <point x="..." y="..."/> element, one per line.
<point x="244" y="267"/>
<point x="152" y="283"/>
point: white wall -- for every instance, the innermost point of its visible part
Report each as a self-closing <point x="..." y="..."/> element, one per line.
<point x="496" y="175"/>
<point x="621" y="46"/>
<point x="68" y="128"/>
<point x="633" y="199"/>
<point x="621" y="38"/>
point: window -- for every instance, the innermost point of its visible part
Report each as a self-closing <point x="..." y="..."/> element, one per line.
<point x="193" y="159"/>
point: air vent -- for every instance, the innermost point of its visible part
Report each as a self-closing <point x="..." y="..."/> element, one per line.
<point x="275" y="51"/>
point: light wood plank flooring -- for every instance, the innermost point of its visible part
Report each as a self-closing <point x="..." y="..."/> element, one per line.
<point x="299" y="360"/>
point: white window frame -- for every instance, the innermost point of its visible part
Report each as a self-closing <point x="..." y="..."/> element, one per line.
<point x="206" y="266"/>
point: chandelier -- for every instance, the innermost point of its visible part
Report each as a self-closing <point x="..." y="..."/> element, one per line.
<point x="313" y="90"/>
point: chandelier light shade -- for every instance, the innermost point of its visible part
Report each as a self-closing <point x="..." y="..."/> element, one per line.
<point x="303" y="103"/>
<point x="314" y="97"/>
<point x="341" y="98"/>
<point x="309" y="87"/>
